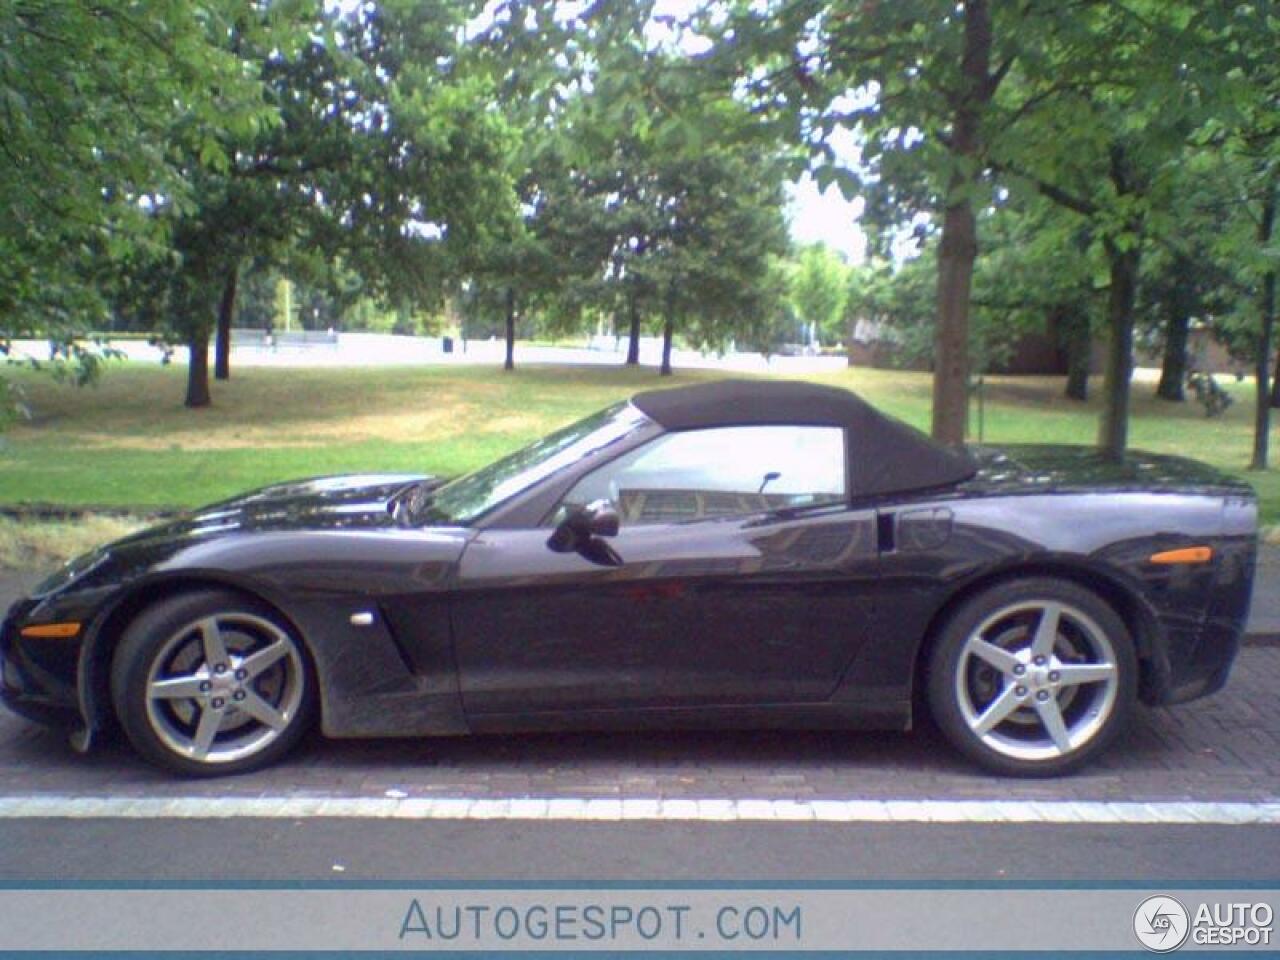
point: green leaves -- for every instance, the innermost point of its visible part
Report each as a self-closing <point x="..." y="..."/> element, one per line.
<point x="88" y="95"/>
<point x="646" y="186"/>
<point x="846" y="181"/>
<point x="819" y="284"/>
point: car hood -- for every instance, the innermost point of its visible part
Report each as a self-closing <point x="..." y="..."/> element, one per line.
<point x="349" y="501"/>
<point x="1054" y="467"/>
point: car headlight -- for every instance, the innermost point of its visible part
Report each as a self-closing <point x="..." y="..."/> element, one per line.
<point x="69" y="573"/>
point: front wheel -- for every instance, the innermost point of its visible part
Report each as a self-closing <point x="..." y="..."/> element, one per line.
<point x="1033" y="677"/>
<point x="210" y="683"/>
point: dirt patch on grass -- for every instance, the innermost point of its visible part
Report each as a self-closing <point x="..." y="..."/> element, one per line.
<point x="342" y="428"/>
<point x="43" y="544"/>
<point x="513" y="424"/>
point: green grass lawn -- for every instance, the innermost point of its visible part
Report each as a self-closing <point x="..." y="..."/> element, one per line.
<point x="128" y="442"/>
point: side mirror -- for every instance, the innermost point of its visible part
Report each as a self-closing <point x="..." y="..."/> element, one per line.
<point x="603" y="520"/>
<point x="578" y="531"/>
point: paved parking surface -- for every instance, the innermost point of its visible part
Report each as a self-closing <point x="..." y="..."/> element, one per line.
<point x="1264" y="614"/>
<point x="337" y="852"/>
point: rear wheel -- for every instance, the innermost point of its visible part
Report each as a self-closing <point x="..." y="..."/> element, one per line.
<point x="1033" y="677"/>
<point x="210" y="683"/>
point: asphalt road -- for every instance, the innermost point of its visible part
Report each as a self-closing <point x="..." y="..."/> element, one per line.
<point x="336" y="851"/>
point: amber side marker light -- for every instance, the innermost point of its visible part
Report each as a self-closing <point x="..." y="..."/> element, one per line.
<point x="1185" y="555"/>
<point x="51" y="631"/>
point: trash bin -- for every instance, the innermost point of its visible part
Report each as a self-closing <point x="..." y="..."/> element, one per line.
<point x="446" y="344"/>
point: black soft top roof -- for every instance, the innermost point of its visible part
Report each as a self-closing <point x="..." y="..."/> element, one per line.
<point x="885" y="455"/>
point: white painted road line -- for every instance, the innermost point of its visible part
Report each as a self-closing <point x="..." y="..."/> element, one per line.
<point x="716" y="809"/>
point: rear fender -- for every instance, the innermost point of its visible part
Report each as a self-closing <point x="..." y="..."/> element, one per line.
<point x="1114" y="585"/>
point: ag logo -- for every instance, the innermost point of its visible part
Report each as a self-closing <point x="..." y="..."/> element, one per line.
<point x="1161" y="924"/>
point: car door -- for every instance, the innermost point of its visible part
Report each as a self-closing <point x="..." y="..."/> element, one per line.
<point x="743" y="577"/>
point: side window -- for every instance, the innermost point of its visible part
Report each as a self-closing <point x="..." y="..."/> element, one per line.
<point x="725" y="471"/>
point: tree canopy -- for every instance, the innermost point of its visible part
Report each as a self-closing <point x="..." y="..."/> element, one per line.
<point x="1089" y="171"/>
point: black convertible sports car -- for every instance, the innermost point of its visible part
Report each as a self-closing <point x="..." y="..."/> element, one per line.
<point x="729" y="554"/>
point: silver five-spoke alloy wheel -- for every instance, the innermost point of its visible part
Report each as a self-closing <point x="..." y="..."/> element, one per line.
<point x="1036" y="680"/>
<point x="223" y="688"/>
<point x="1032" y="677"/>
<point x="212" y="682"/>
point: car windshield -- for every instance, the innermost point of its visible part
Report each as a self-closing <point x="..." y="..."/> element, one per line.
<point x="465" y="500"/>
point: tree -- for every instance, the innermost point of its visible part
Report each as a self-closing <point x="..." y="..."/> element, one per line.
<point x="1246" y="251"/>
<point x="680" y="237"/>
<point x="1246" y="37"/>
<point x="380" y="162"/>
<point x="1266" y="325"/>
<point x="671" y="200"/>
<point x="513" y="274"/>
<point x="1038" y="277"/>
<point x="1176" y="289"/>
<point x="1091" y="103"/>
<point x="1121" y="90"/>
<point x="817" y="291"/>
<point x="917" y="82"/>
<point x="88" y="93"/>
<point x="520" y="267"/>
<point x="711" y="261"/>
<point x="958" y="250"/>
<point x="894" y="298"/>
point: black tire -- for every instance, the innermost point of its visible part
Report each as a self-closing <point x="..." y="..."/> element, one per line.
<point x="995" y="701"/>
<point x="264" y="672"/>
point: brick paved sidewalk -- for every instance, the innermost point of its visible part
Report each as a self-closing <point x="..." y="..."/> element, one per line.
<point x="1264" y="615"/>
<point x="1225" y="748"/>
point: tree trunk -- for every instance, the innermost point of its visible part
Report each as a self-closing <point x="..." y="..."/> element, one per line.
<point x="959" y="246"/>
<point x="1078" y="381"/>
<point x="668" y="331"/>
<point x="1123" y="254"/>
<point x="1173" y="369"/>
<point x="1113" y="433"/>
<point x="633" y="345"/>
<point x="510" y="362"/>
<point x="1262" y="415"/>
<point x="1073" y="335"/>
<point x="1275" y="385"/>
<point x="198" y="371"/>
<point x="956" y="257"/>
<point x="226" y="311"/>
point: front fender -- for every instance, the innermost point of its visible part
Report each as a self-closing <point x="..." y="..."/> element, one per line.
<point x="115" y="607"/>
<point x="373" y="679"/>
